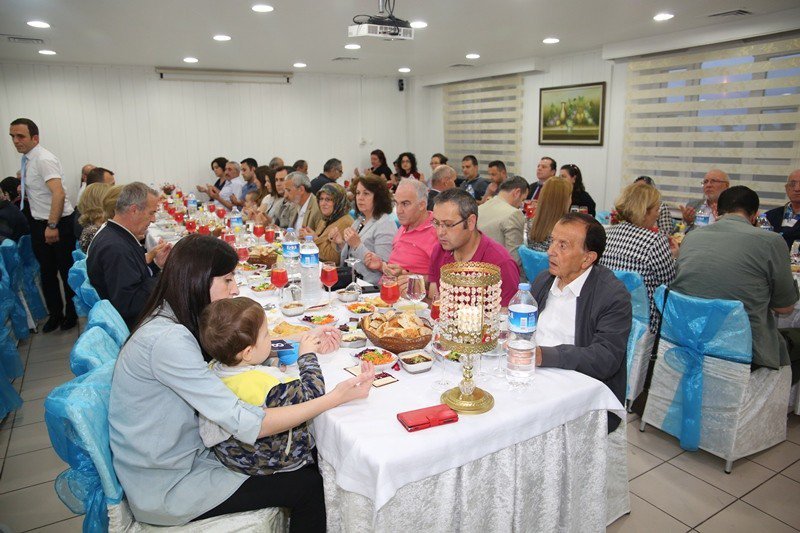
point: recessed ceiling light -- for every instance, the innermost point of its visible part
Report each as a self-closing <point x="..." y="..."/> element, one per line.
<point x="190" y="60"/>
<point x="47" y="52"/>
<point x="262" y="8"/>
<point x="222" y="38"/>
<point x="299" y="64"/>
<point x="353" y="46"/>
<point x="661" y="17"/>
<point x="38" y="24"/>
<point x="419" y="24"/>
<point x="551" y="40"/>
<point x="473" y="56"/>
<point x="404" y="70"/>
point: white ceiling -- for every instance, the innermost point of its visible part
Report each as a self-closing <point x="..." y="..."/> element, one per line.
<point x="163" y="32"/>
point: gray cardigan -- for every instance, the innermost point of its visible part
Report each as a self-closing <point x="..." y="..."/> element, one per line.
<point x="377" y="236"/>
<point x="602" y="328"/>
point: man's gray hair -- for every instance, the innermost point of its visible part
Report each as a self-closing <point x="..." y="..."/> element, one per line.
<point x="235" y="164"/>
<point x="300" y="179"/>
<point x="135" y="193"/>
<point x="420" y="188"/>
<point x="441" y="173"/>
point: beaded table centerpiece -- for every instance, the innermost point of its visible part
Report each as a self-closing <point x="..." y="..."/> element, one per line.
<point x="470" y="304"/>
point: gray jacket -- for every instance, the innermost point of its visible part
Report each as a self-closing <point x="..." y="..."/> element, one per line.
<point x="602" y="328"/>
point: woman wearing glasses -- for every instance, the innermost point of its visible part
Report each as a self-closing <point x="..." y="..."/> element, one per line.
<point x="580" y="197"/>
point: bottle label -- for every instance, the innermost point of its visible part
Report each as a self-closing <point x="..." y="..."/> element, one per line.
<point x="522" y="318"/>
<point x="702" y="220"/>
<point x="309" y="260"/>
<point x="291" y="249"/>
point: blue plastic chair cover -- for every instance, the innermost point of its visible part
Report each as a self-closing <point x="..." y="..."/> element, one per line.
<point x="10" y="360"/>
<point x="30" y="278"/>
<point x="93" y="348"/>
<point x="699" y="328"/>
<point x="76" y="414"/>
<point x="533" y="262"/>
<point x="603" y="217"/>
<point x="640" y="305"/>
<point x="104" y="315"/>
<point x="77" y="254"/>
<point x="9" y="264"/>
<point x="77" y="275"/>
<point x="10" y="399"/>
<point x="88" y="294"/>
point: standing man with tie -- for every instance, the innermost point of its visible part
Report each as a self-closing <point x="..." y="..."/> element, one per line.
<point x="545" y="170"/>
<point x="45" y="203"/>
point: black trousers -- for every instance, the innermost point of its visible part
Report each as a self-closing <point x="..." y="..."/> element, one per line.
<point x="54" y="259"/>
<point x="301" y="491"/>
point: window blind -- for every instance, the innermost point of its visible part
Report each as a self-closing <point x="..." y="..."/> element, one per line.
<point x="484" y="118"/>
<point x="736" y="108"/>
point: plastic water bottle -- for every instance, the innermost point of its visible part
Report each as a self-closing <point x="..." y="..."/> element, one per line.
<point x="763" y="223"/>
<point x="291" y="255"/>
<point x="523" y="313"/>
<point x="703" y="216"/>
<point x="309" y="271"/>
<point x="236" y="218"/>
<point x="191" y="204"/>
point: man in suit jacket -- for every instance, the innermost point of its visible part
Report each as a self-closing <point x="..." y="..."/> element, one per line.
<point x="584" y="310"/>
<point x="501" y="219"/>
<point x="298" y="191"/>
<point x="442" y="179"/>
<point x="117" y="264"/>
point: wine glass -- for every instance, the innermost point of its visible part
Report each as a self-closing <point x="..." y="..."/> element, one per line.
<point x="353" y="286"/>
<point x="328" y="276"/>
<point x="438" y="350"/>
<point x="279" y="276"/>
<point x="502" y="338"/>
<point x="269" y="234"/>
<point x="390" y="290"/>
<point x="415" y="290"/>
<point x="191" y="225"/>
<point x="258" y="231"/>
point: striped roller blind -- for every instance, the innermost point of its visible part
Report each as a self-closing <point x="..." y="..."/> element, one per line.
<point x="484" y="118"/>
<point x="734" y="108"/>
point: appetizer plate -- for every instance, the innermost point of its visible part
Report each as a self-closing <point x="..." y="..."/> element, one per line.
<point x="415" y="361"/>
<point x="383" y="359"/>
<point x="318" y="319"/>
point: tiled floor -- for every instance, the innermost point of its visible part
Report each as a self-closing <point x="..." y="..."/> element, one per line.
<point x="671" y="490"/>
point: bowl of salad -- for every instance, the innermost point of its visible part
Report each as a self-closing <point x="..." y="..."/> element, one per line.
<point x="382" y="359"/>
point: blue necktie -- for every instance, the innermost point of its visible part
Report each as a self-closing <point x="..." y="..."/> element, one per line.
<point x="22" y="180"/>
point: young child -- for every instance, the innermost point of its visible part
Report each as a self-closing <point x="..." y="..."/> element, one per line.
<point x="235" y="333"/>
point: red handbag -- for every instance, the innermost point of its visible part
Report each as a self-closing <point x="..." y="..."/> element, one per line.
<point x="427" y="417"/>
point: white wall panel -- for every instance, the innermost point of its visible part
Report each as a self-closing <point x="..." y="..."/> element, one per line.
<point x="147" y="129"/>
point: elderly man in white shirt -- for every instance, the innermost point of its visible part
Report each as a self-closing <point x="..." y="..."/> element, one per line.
<point x="45" y="203"/>
<point x="231" y="188"/>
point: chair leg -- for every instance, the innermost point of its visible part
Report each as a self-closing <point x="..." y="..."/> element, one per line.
<point x="628" y="404"/>
<point x="728" y="466"/>
<point x="642" y="425"/>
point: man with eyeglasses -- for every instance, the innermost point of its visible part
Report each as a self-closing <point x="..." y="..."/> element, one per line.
<point x="784" y="219"/>
<point x="331" y="171"/>
<point x="455" y="218"/>
<point x="714" y="183"/>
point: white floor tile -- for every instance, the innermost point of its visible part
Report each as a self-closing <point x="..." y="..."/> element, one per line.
<point x="55" y="353"/>
<point x="679" y="494"/>
<point x="778" y="457"/>
<point x="654" y="441"/>
<point x="646" y="517"/>
<point x="5" y="435"/>
<point x="793" y="429"/>
<point x="40" y="388"/>
<point x="30" y="469"/>
<point x="778" y="497"/>
<point x="28" y="438"/>
<point x="740" y="517"/>
<point x="47" y="369"/>
<point x="73" y="525"/>
<point x="31" y="412"/>
<point x="745" y="476"/>
<point x="32" y="507"/>
<point x="639" y="461"/>
<point x="793" y="472"/>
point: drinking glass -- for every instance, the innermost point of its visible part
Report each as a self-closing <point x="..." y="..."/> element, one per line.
<point x="221" y="212"/>
<point x="279" y="277"/>
<point x="191" y="225"/>
<point x="230" y="238"/>
<point x="258" y="231"/>
<point x="204" y="229"/>
<point x="353" y="287"/>
<point x="502" y="339"/>
<point x="415" y="290"/>
<point x="435" y="309"/>
<point x="269" y="234"/>
<point x="439" y="351"/>
<point x="328" y="276"/>
<point x="390" y="291"/>
<point x="243" y="252"/>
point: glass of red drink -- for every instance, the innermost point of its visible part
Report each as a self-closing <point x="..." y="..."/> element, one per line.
<point x="230" y="238"/>
<point x="269" y="234"/>
<point x="204" y="229"/>
<point x="243" y="252"/>
<point x="328" y="276"/>
<point x="211" y="207"/>
<point x="390" y="290"/>
<point x="258" y="230"/>
<point x="191" y="225"/>
<point x="435" y="310"/>
<point x="221" y="212"/>
<point x="279" y="278"/>
<point x="180" y="216"/>
<point x="171" y="210"/>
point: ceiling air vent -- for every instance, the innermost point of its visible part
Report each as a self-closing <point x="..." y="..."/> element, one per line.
<point x="344" y="59"/>
<point x="461" y="65"/>
<point x="23" y="40"/>
<point x="734" y="13"/>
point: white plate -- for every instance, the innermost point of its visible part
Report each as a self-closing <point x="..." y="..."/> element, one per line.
<point x="385" y="366"/>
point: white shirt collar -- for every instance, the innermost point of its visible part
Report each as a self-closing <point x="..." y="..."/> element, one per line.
<point x="574" y="287"/>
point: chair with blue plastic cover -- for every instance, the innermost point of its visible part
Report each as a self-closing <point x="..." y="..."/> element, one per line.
<point x="640" y="341"/>
<point x="533" y="262"/>
<point x="77" y="254"/>
<point x="76" y="414"/>
<point x="93" y="348"/>
<point x="30" y="278"/>
<point x="603" y="217"/>
<point x="703" y="391"/>
<point x="104" y="315"/>
<point x="76" y="278"/>
<point x="10" y="361"/>
<point x="10" y="278"/>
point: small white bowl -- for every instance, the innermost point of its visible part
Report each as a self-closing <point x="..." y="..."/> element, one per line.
<point x="385" y="366"/>
<point x="415" y="368"/>
<point x="359" y="340"/>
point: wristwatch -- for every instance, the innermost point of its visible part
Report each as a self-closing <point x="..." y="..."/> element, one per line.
<point x="52" y="225"/>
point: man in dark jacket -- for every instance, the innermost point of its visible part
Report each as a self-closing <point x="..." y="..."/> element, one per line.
<point x="584" y="310"/>
<point x="13" y="223"/>
<point x="118" y="266"/>
<point x="784" y="219"/>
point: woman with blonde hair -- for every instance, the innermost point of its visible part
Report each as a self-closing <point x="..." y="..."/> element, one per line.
<point x="553" y="203"/>
<point x="110" y="201"/>
<point x="92" y="216"/>
<point x="635" y="244"/>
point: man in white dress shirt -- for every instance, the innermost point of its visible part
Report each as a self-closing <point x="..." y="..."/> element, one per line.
<point x="45" y="203"/>
<point x="231" y="188"/>
<point x="584" y="310"/>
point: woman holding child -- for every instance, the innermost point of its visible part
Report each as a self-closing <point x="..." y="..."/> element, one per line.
<point x="162" y="382"/>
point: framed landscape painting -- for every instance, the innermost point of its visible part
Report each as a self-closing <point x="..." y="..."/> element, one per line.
<point x="572" y="114"/>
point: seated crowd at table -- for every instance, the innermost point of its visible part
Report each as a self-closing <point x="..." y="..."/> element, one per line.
<point x="180" y="300"/>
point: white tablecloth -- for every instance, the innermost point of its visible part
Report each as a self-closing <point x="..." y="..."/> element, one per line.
<point x="162" y="229"/>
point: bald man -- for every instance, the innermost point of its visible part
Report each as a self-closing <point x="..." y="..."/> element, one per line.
<point x="84" y="175"/>
<point x="786" y="218"/>
<point x="714" y="182"/>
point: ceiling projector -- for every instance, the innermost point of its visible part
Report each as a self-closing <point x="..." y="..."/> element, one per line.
<point x="386" y="27"/>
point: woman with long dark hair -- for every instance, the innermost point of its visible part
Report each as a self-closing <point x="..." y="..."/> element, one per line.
<point x="162" y="381"/>
<point x="377" y="165"/>
<point x="406" y="165"/>
<point x="580" y="197"/>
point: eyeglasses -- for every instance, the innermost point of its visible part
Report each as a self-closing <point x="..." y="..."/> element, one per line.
<point x="447" y="225"/>
<point x="793" y="184"/>
<point x="706" y="182"/>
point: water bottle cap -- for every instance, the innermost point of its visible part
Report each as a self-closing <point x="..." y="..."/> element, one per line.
<point x="524" y="286"/>
<point x="289" y="229"/>
<point x="309" y="238"/>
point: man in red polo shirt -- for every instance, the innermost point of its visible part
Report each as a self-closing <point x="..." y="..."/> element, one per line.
<point x="455" y="217"/>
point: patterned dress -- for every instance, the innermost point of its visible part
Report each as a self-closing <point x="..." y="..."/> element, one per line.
<point x="633" y="248"/>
